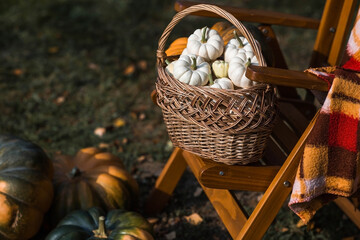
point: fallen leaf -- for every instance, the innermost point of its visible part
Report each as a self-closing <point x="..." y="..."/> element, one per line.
<point x="141" y="158"/>
<point x="125" y="141"/>
<point x="153" y="220"/>
<point x="130" y="69"/>
<point x="198" y="192"/>
<point x="93" y="66"/>
<point x="60" y="100"/>
<point x="284" y="229"/>
<point x="194" y="219"/>
<point x="142" y="116"/>
<point x="142" y="64"/>
<point x="169" y="146"/>
<point x="170" y="235"/>
<point x="18" y="72"/>
<point x="53" y="49"/>
<point x="104" y="145"/>
<point x="133" y="115"/>
<point x="119" y="122"/>
<point x="100" y="131"/>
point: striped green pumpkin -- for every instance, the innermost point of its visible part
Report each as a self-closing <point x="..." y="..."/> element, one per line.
<point x="117" y="224"/>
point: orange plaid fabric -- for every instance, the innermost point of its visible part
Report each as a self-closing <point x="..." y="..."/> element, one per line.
<point x="330" y="165"/>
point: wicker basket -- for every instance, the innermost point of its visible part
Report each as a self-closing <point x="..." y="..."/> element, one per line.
<point x="228" y="126"/>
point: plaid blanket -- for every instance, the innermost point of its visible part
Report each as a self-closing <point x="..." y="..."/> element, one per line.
<point x="330" y="165"/>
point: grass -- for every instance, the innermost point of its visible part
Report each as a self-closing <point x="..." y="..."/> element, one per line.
<point x="68" y="67"/>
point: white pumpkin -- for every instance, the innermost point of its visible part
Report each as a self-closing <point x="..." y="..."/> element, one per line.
<point x="237" y="69"/>
<point x="223" y="83"/>
<point x="236" y="45"/>
<point x="220" y="68"/>
<point x="170" y="67"/>
<point x="206" y="43"/>
<point x="192" y="70"/>
<point x="185" y="52"/>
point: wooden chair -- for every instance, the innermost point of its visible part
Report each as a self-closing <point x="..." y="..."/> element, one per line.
<point x="284" y="148"/>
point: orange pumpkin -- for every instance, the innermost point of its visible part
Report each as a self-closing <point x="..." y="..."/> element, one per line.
<point x="91" y="178"/>
<point x="176" y="47"/>
<point x="225" y="30"/>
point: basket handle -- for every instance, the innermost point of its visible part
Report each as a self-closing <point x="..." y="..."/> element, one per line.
<point x="161" y="55"/>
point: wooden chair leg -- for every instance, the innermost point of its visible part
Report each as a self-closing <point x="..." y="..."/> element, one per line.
<point x="349" y="209"/>
<point x="228" y="209"/>
<point x="274" y="197"/>
<point x="224" y="202"/>
<point x="166" y="182"/>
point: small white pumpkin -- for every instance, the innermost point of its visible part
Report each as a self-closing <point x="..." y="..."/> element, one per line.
<point x="236" y="45"/>
<point x="192" y="70"/>
<point x="170" y="67"/>
<point x="206" y="43"/>
<point x="237" y="69"/>
<point x="223" y="83"/>
<point x="220" y="68"/>
<point x="185" y="52"/>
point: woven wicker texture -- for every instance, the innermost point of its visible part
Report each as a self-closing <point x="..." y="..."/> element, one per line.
<point x="228" y="126"/>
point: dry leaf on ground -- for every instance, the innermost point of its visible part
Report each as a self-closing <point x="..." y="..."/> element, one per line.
<point x="130" y="69"/>
<point x="18" y="72"/>
<point x="100" y="131"/>
<point x="119" y="122"/>
<point x="142" y="64"/>
<point x="104" y="145"/>
<point x="93" y="66"/>
<point x="53" y="49"/>
<point x="198" y="192"/>
<point x="194" y="219"/>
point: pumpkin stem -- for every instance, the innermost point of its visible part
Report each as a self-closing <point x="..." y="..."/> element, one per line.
<point x="193" y="65"/>
<point x="241" y="44"/>
<point x="101" y="231"/>
<point x="211" y="79"/>
<point x="75" y="172"/>
<point x="248" y="63"/>
<point x="167" y="61"/>
<point x="203" y="36"/>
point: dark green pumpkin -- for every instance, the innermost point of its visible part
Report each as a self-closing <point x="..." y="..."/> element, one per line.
<point x="26" y="190"/>
<point x="118" y="224"/>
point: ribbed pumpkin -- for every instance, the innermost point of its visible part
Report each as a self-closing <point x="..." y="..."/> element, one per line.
<point x="88" y="179"/>
<point x="176" y="47"/>
<point x="226" y="31"/>
<point x="26" y="191"/>
<point x="93" y="224"/>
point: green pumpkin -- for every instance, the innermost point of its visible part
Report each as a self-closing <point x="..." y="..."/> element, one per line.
<point x="93" y="224"/>
<point x="26" y="190"/>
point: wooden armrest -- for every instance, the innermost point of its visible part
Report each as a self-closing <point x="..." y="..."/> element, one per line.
<point x="258" y="16"/>
<point x="284" y="77"/>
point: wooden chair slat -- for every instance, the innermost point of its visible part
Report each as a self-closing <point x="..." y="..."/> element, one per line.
<point x="258" y="16"/>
